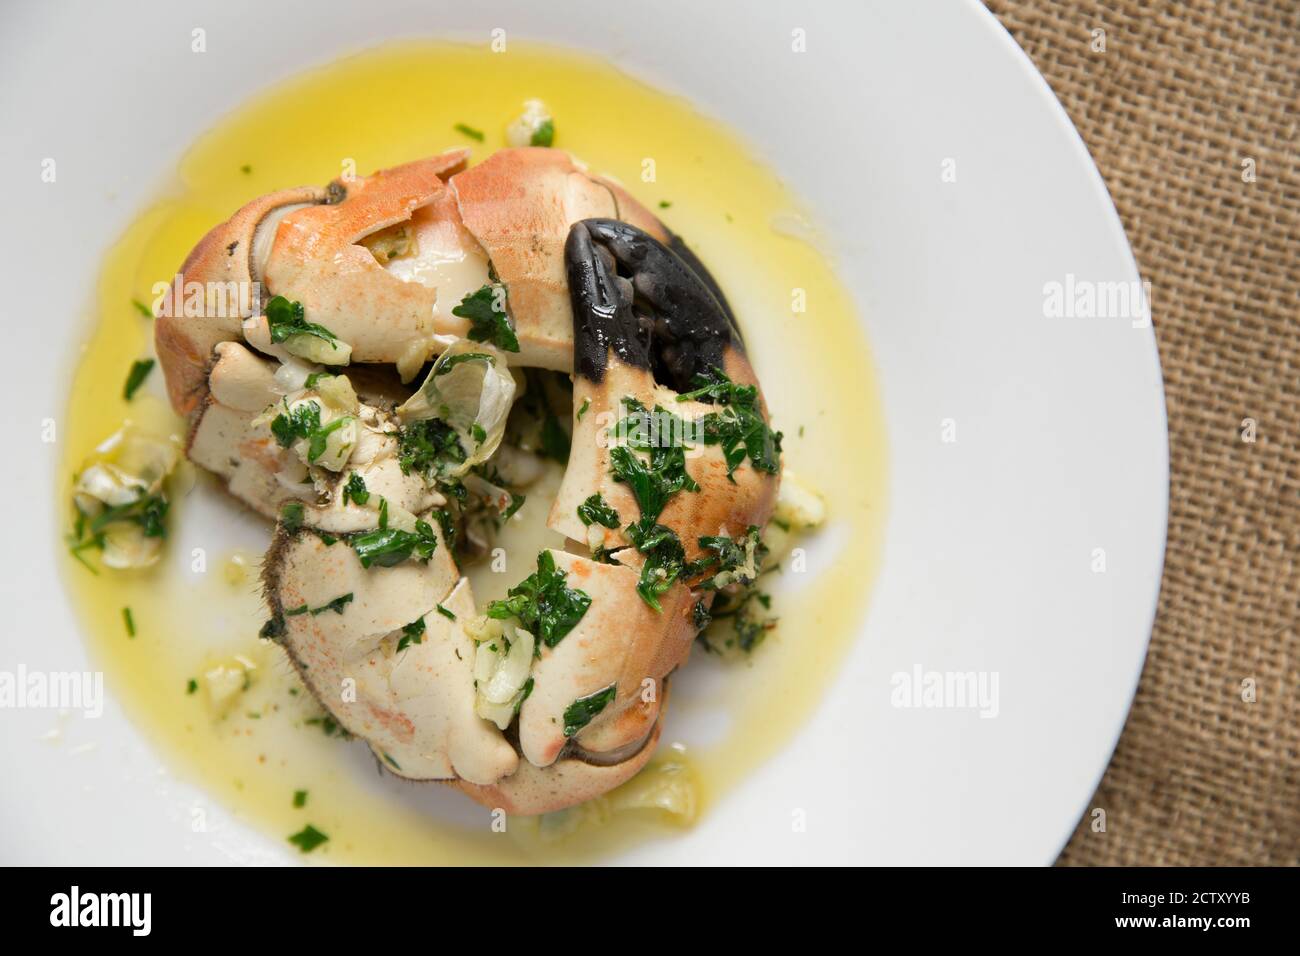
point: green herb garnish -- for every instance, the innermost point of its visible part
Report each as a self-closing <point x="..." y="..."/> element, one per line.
<point x="303" y="421"/>
<point x="740" y="427"/>
<point x="445" y="612"/>
<point x="355" y="490"/>
<point x="544" y="603"/>
<point x="286" y="319"/>
<point x="129" y="621"/>
<point x="665" y="559"/>
<point x="487" y="324"/>
<point x="595" y="510"/>
<point x="291" y="515"/>
<point x="388" y="547"/>
<point x="544" y="135"/>
<point x="140" y="370"/>
<point x="583" y="710"/>
<point x="300" y="799"/>
<point x="428" y="447"/>
<point x="412" y="633"/>
<point x="470" y="131"/>
<point x="329" y="726"/>
<point x="308" y="838"/>
<point x="337" y="605"/>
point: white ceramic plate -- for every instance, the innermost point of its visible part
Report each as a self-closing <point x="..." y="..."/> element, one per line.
<point x="989" y="559"/>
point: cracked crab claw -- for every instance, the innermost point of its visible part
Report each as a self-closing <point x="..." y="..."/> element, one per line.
<point x="589" y="686"/>
<point x="674" y="434"/>
<point x="383" y="649"/>
<point x="383" y="311"/>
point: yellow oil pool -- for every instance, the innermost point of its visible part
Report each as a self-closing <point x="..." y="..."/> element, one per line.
<point x="196" y="611"/>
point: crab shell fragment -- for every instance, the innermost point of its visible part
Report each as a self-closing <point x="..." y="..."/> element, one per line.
<point x="541" y="225"/>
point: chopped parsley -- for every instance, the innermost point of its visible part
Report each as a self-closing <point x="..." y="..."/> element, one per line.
<point x="583" y="710"/>
<point x="664" y="204"/>
<point x="308" y="838"/>
<point x="749" y="624"/>
<point x="427" y="447"/>
<point x="337" y="605"/>
<point x="544" y="603"/>
<point x="544" y="135"/>
<point x="140" y="370"/>
<point x="388" y="547"/>
<point x="147" y="511"/>
<point x="287" y="319"/>
<point x="355" y="490"/>
<point x="516" y="502"/>
<point x="735" y="560"/>
<point x="665" y="559"/>
<point x="129" y="621"/>
<point x="447" y="525"/>
<point x="586" y="404"/>
<point x="291" y="515"/>
<point x="412" y="633"/>
<point x="445" y="612"/>
<point x="142" y="308"/>
<point x="303" y="421"/>
<point x="192" y="686"/>
<point x="595" y="510"/>
<point x="329" y="726"/>
<point x="487" y="323"/>
<point x="740" y="427"/>
<point x="524" y="694"/>
<point x="660" y="433"/>
<point x="654" y="483"/>
<point x="300" y="799"/>
<point x="470" y="131"/>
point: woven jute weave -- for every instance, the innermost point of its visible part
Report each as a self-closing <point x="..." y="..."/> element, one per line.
<point x="1190" y="112"/>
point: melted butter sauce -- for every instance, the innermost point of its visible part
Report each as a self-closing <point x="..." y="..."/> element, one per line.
<point x="198" y="607"/>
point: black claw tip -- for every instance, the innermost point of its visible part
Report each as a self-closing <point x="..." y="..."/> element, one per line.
<point x="656" y="306"/>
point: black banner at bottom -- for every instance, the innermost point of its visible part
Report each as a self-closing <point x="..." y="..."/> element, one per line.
<point x="337" y="905"/>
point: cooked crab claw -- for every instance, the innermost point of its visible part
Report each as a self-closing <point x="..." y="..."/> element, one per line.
<point x="654" y="339"/>
<point x="382" y="649"/>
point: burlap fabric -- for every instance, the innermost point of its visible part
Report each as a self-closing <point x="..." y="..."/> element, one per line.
<point x="1187" y="104"/>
